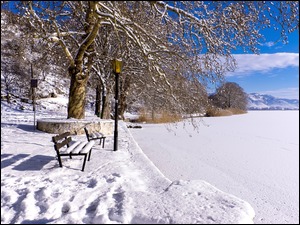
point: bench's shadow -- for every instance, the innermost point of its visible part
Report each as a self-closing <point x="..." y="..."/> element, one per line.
<point x="5" y="155"/>
<point x="12" y="160"/>
<point x="36" y="162"/>
<point x="39" y="221"/>
<point x="25" y="127"/>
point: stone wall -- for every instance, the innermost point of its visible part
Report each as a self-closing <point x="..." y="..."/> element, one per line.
<point x="58" y="126"/>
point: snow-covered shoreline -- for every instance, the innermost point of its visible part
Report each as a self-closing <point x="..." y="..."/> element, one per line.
<point x="254" y="156"/>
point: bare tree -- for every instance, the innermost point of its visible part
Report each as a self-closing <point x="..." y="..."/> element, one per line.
<point x="193" y="39"/>
<point x="230" y="95"/>
<point x="13" y="66"/>
<point x="20" y="51"/>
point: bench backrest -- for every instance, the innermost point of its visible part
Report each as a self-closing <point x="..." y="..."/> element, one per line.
<point x="87" y="133"/>
<point x="61" y="140"/>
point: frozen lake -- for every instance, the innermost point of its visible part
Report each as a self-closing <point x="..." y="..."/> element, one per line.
<point x="254" y="156"/>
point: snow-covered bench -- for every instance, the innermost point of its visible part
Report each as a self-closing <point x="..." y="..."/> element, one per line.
<point x="95" y="136"/>
<point x="64" y="146"/>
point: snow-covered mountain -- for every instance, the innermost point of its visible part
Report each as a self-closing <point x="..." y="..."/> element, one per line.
<point x="268" y="102"/>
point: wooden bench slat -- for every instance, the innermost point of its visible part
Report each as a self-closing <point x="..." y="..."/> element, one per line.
<point x="71" y="147"/>
<point x="60" y="136"/>
<point x="63" y="143"/>
<point x="77" y="149"/>
<point x="96" y="135"/>
<point x="87" y="147"/>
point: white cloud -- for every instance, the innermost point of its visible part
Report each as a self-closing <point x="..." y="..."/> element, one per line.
<point x="249" y="63"/>
<point x="268" y="44"/>
<point x="289" y="93"/>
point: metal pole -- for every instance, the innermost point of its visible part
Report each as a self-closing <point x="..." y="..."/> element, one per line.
<point x="34" y="124"/>
<point x="33" y="98"/>
<point x="116" y="113"/>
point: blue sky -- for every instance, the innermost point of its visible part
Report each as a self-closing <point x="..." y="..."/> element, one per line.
<point x="275" y="71"/>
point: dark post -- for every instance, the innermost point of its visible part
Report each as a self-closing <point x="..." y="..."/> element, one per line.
<point x="116" y="112"/>
<point x="117" y="67"/>
<point x="33" y="85"/>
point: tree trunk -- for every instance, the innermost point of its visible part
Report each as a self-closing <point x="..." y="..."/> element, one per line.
<point x="106" y="107"/>
<point x="77" y="96"/>
<point x="82" y="62"/>
<point x="7" y="92"/>
<point x="122" y="105"/>
<point x="103" y="102"/>
<point x="125" y="85"/>
<point x="98" y="101"/>
<point x="8" y="97"/>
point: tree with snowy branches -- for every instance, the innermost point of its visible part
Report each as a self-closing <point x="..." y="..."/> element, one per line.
<point x="190" y="39"/>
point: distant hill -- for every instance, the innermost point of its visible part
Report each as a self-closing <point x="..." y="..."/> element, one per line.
<point x="268" y="102"/>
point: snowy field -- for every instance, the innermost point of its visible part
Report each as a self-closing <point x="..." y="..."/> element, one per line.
<point x="254" y="156"/>
<point x="116" y="187"/>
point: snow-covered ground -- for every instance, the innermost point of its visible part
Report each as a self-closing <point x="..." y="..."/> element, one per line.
<point x="116" y="187"/>
<point x="160" y="174"/>
<point x="254" y="156"/>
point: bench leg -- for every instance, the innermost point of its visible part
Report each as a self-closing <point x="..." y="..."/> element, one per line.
<point x="103" y="142"/>
<point x="90" y="154"/>
<point x="84" y="160"/>
<point x="59" y="160"/>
